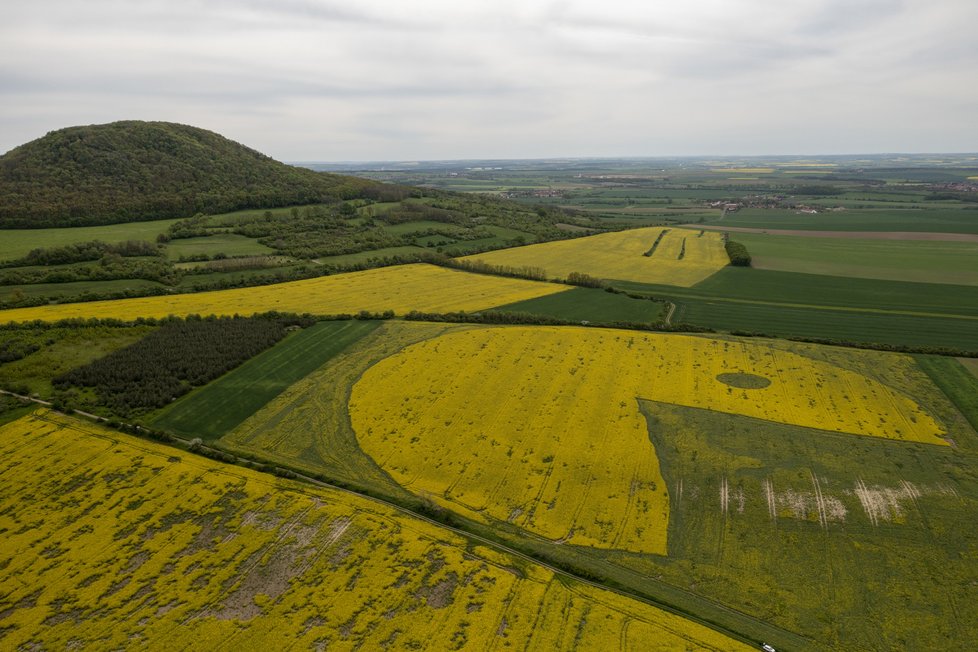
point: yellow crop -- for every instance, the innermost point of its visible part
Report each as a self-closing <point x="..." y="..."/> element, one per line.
<point x="620" y="256"/>
<point x="403" y="288"/>
<point x="107" y="542"/>
<point x="541" y="427"/>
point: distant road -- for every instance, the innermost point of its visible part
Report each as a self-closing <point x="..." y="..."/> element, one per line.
<point x="852" y="235"/>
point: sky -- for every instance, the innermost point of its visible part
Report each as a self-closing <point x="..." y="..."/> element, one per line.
<point x="371" y="80"/>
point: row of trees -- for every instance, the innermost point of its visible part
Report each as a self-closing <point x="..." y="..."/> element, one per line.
<point x="170" y="361"/>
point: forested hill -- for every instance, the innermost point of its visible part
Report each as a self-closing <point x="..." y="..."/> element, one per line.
<point x="133" y="171"/>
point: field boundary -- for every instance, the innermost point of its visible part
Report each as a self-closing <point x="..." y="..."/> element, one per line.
<point x="845" y="235"/>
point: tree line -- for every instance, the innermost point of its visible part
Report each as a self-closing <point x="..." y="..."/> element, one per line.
<point x="172" y="360"/>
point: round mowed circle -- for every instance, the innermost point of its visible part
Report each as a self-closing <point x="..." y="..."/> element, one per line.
<point x="742" y="380"/>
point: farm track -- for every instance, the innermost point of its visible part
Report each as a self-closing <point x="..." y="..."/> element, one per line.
<point x="771" y="632"/>
<point x="809" y="306"/>
<point x="845" y="235"/>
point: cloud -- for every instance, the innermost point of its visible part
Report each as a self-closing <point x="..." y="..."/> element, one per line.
<point x="377" y="79"/>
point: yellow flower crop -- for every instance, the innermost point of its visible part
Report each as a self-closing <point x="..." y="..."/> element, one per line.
<point x="108" y="542"/>
<point x="402" y="288"/>
<point x="621" y="256"/>
<point x="540" y="426"/>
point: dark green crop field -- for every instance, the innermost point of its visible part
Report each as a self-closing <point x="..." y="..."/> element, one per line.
<point x="936" y="220"/>
<point x="830" y="324"/>
<point x="767" y="286"/>
<point x="585" y="304"/>
<point x="922" y="261"/>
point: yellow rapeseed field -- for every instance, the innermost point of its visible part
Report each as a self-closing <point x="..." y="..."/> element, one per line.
<point x="108" y="542"/>
<point x="541" y="427"/>
<point x="402" y="288"/>
<point x="620" y="256"/>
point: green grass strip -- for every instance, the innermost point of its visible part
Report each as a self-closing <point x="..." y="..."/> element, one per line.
<point x="955" y="381"/>
<point x="217" y="408"/>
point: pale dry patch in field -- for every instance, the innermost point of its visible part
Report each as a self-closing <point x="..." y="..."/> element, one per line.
<point x="886" y="504"/>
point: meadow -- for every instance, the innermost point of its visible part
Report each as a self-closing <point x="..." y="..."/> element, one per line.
<point x="646" y="255"/>
<point x="115" y="542"/>
<point x="399" y="289"/>
<point x="17" y="243"/>
<point x="221" y="244"/>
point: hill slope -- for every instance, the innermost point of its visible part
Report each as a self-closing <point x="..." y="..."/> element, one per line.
<point x="133" y="171"/>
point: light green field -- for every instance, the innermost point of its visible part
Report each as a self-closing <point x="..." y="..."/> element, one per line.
<point x="229" y="244"/>
<point x="16" y="243"/>
<point x="898" y="260"/>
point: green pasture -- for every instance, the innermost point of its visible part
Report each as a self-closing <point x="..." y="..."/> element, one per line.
<point x="17" y="243"/>
<point x="587" y="304"/>
<point x="924" y="261"/>
<point x="228" y="244"/>
<point x="215" y="409"/>
<point x="76" y="288"/>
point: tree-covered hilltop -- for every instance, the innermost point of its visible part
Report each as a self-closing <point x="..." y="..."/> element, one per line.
<point x="134" y="171"/>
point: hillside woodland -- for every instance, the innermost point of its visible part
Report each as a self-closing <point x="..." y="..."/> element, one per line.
<point x="134" y="171"/>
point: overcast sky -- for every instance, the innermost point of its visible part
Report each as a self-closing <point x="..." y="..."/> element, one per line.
<point x="324" y="80"/>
